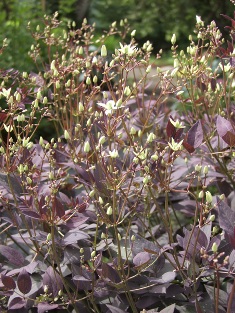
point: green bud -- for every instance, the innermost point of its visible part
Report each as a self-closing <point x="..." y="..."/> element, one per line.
<point x="222" y="197"/>
<point x="88" y="123"/>
<point x="109" y="211"/>
<point x="214" y="247"/>
<point x="57" y="84"/>
<point x="102" y="140"/>
<point x="41" y="141"/>
<point x="205" y="170"/>
<point x="80" y="107"/>
<point x="87" y="147"/>
<point x="49" y="237"/>
<point x="133" y="131"/>
<point x="45" y="100"/>
<point x="29" y="180"/>
<point x="92" y="193"/>
<point x="93" y="254"/>
<point x="66" y="135"/>
<point x="20" y="169"/>
<point x="133" y="238"/>
<point x="212" y="218"/>
<point x="39" y="95"/>
<point x="80" y="50"/>
<point x="51" y="175"/>
<point x="101" y="201"/>
<point x="173" y="39"/>
<point x="201" y="194"/>
<point x="95" y="79"/>
<point x="148" y="69"/>
<point x="88" y="81"/>
<point x="133" y="33"/>
<point x="103" y="51"/>
<point x="151" y="137"/>
<point x="103" y="236"/>
<point x="208" y="197"/>
<point x="47" y="146"/>
<point x="127" y="91"/>
<point x="198" y="168"/>
<point x="18" y="97"/>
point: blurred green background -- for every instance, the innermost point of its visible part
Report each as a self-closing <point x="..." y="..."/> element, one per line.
<point x="154" y="20"/>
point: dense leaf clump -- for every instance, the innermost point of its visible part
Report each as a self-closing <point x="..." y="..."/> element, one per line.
<point x="128" y="205"/>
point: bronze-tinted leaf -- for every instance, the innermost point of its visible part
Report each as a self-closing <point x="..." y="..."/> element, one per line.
<point x="8" y="282"/>
<point x="24" y="282"/>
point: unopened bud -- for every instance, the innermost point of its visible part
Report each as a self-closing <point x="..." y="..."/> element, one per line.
<point x="103" y="51"/>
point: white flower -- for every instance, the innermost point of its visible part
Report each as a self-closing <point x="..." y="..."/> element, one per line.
<point x="113" y="154"/>
<point x="175" y="146"/>
<point x="5" y="92"/>
<point x="128" y="50"/>
<point x="110" y="106"/>
<point x="177" y="123"/>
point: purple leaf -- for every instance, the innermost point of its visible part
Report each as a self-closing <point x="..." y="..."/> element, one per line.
<point x="76" y="221"/>
<point x="223" y="296"/>
<point x="141" y="259"/>
<point x="225" y="130"/>
<point x="114" y="309"/>
<point x="110" y="273"/>
<point x="193" y="241"/>
<point x="53" y="280"/>
<point x="12" y="255"/>
<point x="16" y="303"/>
<point x="8" y="282"/>
<point x="82" y="283"/>
<point x="167" y="277"/>
<point x="195" y="135"/>
<point x="24" y="282"/>
<point x="31" y="214"/>
<point x="73" y="236"/>
<point x="226" y="218"/>
<point x="170" y="129"/>
<point x="44" y="306"/>
<point x="169" y="309"/>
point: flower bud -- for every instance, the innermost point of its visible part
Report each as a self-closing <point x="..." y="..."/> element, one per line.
<point x="95" y="79"/>
<point x="80" y="107"/>
<point x="101" y="201"/>
<point x="87" y="147"/>
<point x="109" y="211"/>
<point x="92" y="193"/>
<point x="66" y="135"/>
<point x="103" y="51"/>
<point x="93" y="254"/>
<point x="132" y="131"/>
<point x="208" y="197"/>
<point x="198" y="168"/>
<point x="127" y="91"/>
<point x="205" y="170"/>
<point x="45" y="100"/>
<point x="133" y="238"/>
<point x="88" y="81"/>
<point x="214" y="247"/>
<point x="133" y="33"/>
<point x="173" y="39"/>
<point x="201" y="194"/>
<point x="212" y="218"/>
<point x="102" y="140"/>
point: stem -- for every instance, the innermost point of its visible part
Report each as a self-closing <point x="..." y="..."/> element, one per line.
<point x="231" y="298"/>
<point x="217" y="293"/>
